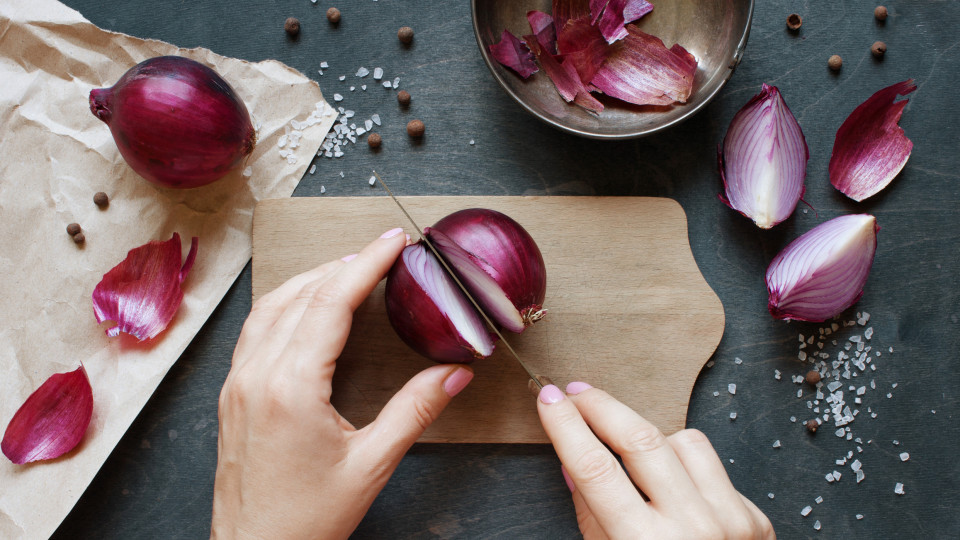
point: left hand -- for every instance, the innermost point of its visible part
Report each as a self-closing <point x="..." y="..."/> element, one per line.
<point x="289" y="466"/>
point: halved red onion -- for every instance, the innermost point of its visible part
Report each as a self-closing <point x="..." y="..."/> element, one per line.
<point x="871" y="148"/>
<point x="823" y="272"/>
<point x="143" y="292"/>
<point x="514" y="54"/>
<point x="639" y="69"/>
<point x="430" y="313"/>
<point x="497" y="261"/>
<point x="176" y="122"/>
<point x="763" y="160"/>
<point x="52" y="421"/>
<point x="611" y="16"/>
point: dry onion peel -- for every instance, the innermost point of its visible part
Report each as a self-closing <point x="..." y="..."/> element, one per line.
<point x="52" y="421"/>
<point x="543" y="27"/>
<point x="514" y="54"/>
<point x="143" y="292"/>
<point x="871" y="148"/>
<point x="763" y="160"/>
<point x="823" y="272"/>
<point x="565" y="78"/>
<point x="611" y="16"/>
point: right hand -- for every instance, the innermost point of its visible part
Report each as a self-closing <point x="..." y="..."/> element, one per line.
<point x="688" y="493"/>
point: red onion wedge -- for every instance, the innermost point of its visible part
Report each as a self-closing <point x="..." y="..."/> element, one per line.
<point x="763" y="160"/>
<point x="52" y="421"/>
<point x="430" y="314"/>
<point x="176" y="122"/>
<point x="823" y="272"/>
<point x="143" y="292"/>
<point x="514" y="54"/>
<point x="871" y="148"/>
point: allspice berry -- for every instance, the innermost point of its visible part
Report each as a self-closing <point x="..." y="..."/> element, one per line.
<point x="291" y="26"/>
<point x="101" y="200"/>
<point x="374" y="140"/>
<point x="794" y="22"/>
<point x="812" y="377"/>
<point x="812" y="425"/>
<point x="835" y="62"/>
<point x="333" y="15"/>
<point x="403" y="98"/>
<point x="73" y="229"/>
<point x="415" y="128"/>
<point x="405" y="35"/>
<point x="878" y="49"/>
<point x="79" y="238"/>
<point x="880" y="13"/>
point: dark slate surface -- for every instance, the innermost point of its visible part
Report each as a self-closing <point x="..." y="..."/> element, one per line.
<point x="159" y="480"/>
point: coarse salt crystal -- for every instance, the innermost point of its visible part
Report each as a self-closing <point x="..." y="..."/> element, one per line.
<point x="368" y="124"/>
<point x="373" y="180"/>
<point x="836" y="475"/>
<point x="733" y="416"/>
<point x="363" y="72"/>
<point x="323" y="190"/>
<point x="738" y="360"/>
<point x="818" y="500"/>
<point x="859" y="516"/>
<point x="337" y="97"/>
<point x="732" y="388"/>
<point x="375" y="118"/>
<point x="313" y="168"/>
<point x="860" y="476"/>
<point x="904" y="456"/>
<point x="716" y="393"/>
<point x="363" y="87"/>
<point x="710" y="364"/>
<point x="324" y="65"/>
<point x="342" y="77"/>
<point x="386" y="84"/>
<point x="472" y="142"/>
<point x="396" y="82"/>
<point x="776" y="443"/>
<point x="352" y="88"/>
<point x="806" y="511"/>
<point x="855" y="465"/>
<point x="770" y="495"/>
<point x="816" y="524"/>
<point x="776" y="374"/>
<point x="341" y="174"/>
<point x="793" y="418"/>
<point x="898" y="489"/>
<point x="248" y="171"/>
<point x="377" y="73"/>
<point x="829" y="477"/>
<point x="731" y="460"/>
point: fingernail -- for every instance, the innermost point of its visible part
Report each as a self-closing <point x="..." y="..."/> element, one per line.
<point x="457" y="381"/>
<point x="408" y="238"/>
<point x="550" y="394"/>
<point x="392" y="232"/>
<point x="567" y="479"/>
<point x="349" y="258"/>
<point x="576" y="387"/>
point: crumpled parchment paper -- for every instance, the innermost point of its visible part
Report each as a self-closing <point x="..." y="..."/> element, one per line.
<point x="54" y="155"/>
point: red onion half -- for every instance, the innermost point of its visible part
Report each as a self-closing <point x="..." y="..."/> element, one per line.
<point x="494" y="258"/>
<point x="176" y="122"/>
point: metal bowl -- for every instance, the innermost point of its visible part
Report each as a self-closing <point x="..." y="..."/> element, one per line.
<point x="714" y="31"/>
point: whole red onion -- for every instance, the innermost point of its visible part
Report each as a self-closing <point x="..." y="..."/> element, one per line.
<point x="176" y="122"/>
<point x="494" y="258"/>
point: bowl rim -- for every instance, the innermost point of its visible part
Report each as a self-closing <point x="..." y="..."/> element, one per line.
<point x="737" y="57"/>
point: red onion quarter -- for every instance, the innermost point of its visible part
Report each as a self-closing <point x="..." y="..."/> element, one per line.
<point x="494" y="258"/>
<point x="176" y="122"/>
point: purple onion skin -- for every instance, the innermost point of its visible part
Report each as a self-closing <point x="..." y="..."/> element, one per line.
<point x="506" y="252"/>
<point x="416" y="318"/>
<point x="176" y="122"/>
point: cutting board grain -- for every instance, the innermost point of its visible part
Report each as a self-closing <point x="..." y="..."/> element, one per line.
<point x="629" y="311"/>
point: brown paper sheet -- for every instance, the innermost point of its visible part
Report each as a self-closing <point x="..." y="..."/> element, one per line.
<point x="54" y="155"/>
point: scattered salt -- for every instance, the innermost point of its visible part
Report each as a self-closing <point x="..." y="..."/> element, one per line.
<point x="770" y="495"/>
<point x="368" y="124"/>
<point x="733" y="416"/>
<point x="363" y="72"/>
<point x="732" y="388"/>
<point x="898" y="489"/>
<point x="363" y="87"/>
<point x="375" y="118"/>
<point x="377" y="73"/>
<point x="829" y="477"/>
<point x="776" y="443"/>
<point x="373" y="180"/>
<point x="248" y="171"/>
<point x="860" y="476"/>
<point x="313" y="168"/>
<point x="904" y="456"/>
<point x="337" y="97"/>
<point x="323" y="190"/>
<point x="473" y="142"/>
<point x="819" y="499"/>
<point x="342" y="77"/>
<point x="806" y="511"/>
<point x="324" y="65"/>
<point x="859" y="516"/>
<point x="816" y="524"/>
<point x="396" y="82"/>
<point x="716" y="393"/>
<point x="793" y="418"/>
<point x="386" y="84"/>
<point x="855" y="466"/>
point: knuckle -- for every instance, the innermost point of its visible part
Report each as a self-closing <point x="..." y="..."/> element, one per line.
<point x="706" y="528"/>
<point x="643" y="438"/>
<point x="423" y="413"/>
<point x="267" y="303"/>
<point x="323" y="295"/>
<point x="765" y="527"/>
<point x="597" y="466"/>
<point x="741" y="527"/>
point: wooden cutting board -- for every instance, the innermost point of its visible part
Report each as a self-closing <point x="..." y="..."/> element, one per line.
<point x="629" y="311"/>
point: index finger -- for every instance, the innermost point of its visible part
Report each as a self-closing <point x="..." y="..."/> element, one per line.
<point x="322" y="332"/>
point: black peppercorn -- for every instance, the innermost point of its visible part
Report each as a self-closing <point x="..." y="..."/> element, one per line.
<point x="415" y="128"/>
<point x="374" y="140"/>
<point x="878" y="49"/>
<point x="403" y="98"/>
<point x="333" y="15"/>
<point x="101" y="200"/>
<point x="73" y="229"/>
<point x="405" y="34"/>
<point x="292" y="26"/>
<point x="794" y="22"/>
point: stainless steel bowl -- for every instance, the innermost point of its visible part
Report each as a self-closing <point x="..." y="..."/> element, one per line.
<point x="714" y="31"/>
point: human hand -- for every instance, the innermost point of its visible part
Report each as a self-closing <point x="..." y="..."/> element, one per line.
<point x="688" y="493"/>
<point x="289" y="466"/>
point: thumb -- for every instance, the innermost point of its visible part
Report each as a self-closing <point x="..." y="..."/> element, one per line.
<point x="411" y="410"/>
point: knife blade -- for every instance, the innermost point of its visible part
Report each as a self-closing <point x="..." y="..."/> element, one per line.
<point x="535" y="379"/>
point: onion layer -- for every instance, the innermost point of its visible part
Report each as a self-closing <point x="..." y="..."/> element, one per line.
<point x="176" y="122"/>
<point x="763" y="160"/>
<point x="823" y="272"/>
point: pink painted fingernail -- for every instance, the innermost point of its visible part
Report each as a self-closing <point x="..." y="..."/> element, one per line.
<point x="457" y="381"/>
<point x="392" y="232"/>
<point x="567" y="479"/>
<point x="550" y="394"/>
<point x="349" y="258"/>
<point x="576" y="387"/>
